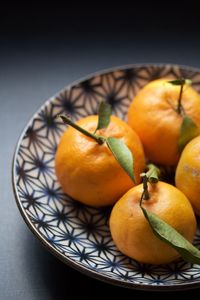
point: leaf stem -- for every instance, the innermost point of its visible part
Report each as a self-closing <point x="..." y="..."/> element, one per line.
<point x="99" y="139"/>
<point x="146" y="195"/>
<point x="150" y="176"/>
<point x="179" y="106"/>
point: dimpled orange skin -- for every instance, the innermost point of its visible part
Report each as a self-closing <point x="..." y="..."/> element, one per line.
<point x="153" y="116"/>
<point x="132" y="233"/>
<point x="87" y="171"/>
<point x="188" y="173"/>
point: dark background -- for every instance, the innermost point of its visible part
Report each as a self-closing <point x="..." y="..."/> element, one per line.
<point x="42" y="50"/>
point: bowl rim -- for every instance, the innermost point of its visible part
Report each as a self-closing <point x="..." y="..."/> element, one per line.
<point x="65" y="259"/>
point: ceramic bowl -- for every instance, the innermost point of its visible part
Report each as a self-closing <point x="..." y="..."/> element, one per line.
<point x="77" y="234"/>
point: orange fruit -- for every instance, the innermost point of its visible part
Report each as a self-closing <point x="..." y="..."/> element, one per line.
<point x="188" y="173"/>
<point x="87" y="171"/>
<point x="153" y="116"/>
<point x="132" y="233"/>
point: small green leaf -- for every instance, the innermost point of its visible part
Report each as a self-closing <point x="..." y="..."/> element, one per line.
<point x="178" y="81"/>
<point x="122" y="154"/>
<point x="153" y="173"/>
<point x="189" y="130"/>
<point x="169" y="235"/>
<point x="104" y="114"/>
<point x="181" y="81"/>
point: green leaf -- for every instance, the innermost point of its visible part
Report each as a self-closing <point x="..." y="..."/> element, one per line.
<point x="169" y="235"/>
<point x="189" y="130"/>
<point x="181" y="81"/>
<point x="122" y="154"/>
<point x="177" y="81"/>
<point x="153" y="173"/>
<point x="104" y="114"/>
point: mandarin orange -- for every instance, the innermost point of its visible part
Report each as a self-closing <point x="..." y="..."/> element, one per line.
<point x="131" y="231"/>
<point x="87" y="171"/>
<point x="188" y="173"/>
<point x="153" y="115"/>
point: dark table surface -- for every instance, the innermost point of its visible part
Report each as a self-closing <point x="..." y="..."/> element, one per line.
<point x="32" y="70"/>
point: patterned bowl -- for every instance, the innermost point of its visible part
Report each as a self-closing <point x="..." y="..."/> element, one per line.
<point x="77" y="234"/>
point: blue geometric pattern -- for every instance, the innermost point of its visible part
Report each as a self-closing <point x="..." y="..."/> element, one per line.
<point x="78" y="234"/>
